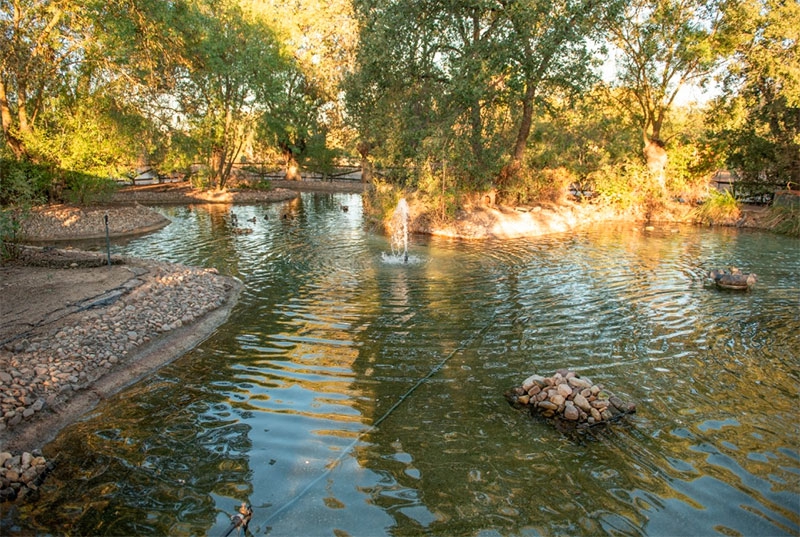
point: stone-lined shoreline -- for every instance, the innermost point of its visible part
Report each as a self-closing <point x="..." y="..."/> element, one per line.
<point x="54" y="372"/>
<point x="132" y="318"/>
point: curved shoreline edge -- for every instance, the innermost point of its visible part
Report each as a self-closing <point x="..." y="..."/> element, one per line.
<point x="144" y="361"/>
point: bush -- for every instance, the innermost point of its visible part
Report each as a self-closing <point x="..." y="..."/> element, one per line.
<point x="784" y="219"/>
<point x="623" y="186"/>
<point x="22" y="185"/>
<point x="720" y="207"/>
<point x="437" y="192"/>
<point x="83" y="189"/>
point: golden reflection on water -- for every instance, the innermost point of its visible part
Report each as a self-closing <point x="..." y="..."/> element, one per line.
<point x="279" y="406"/>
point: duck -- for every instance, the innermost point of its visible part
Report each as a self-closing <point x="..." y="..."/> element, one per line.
<point x="345" y="208"/>
<point x="253" y="220"/>
<point x="241" y="230"/>
<point x="733" y="278"/>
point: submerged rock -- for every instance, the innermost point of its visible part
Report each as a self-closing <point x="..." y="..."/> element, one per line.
<point x="21" y="475"/>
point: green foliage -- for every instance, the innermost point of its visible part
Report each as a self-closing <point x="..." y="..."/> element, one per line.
<point x="260" y="184"/>
<point x="625" y="186"/>
<point x="664" y="46"/>
<point x="380" y="201"/>
<point x="200" y="178"/>
<point x="757" y="120"/>
<point x="721" y="207"/>
<point x="438" y="191"/>
<point x="91" y="136"/>
<point x="85" y="189"/>
<point x="458" y="81"/>
<point x="22" y="185"/>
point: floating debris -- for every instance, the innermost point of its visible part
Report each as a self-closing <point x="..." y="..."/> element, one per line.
<point x="568" y="400"/>
<point x="733" y="279"/>
<point x="240" y="520"/>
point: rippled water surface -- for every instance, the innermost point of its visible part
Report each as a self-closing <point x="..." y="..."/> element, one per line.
<point x="349" y="395"/>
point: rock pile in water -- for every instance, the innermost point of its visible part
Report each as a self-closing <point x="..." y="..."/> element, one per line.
<point x="569" y="399"/>
<point x="20" y="475"/>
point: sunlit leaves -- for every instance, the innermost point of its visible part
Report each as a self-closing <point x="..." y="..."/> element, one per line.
<point x="758" y="119"/>
<point x="665" y="45"/>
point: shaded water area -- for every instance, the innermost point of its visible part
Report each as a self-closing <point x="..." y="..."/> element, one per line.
<point x="348" y="395"/>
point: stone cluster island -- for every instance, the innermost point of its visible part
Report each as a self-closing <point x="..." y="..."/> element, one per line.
<point x="568" y="400"/>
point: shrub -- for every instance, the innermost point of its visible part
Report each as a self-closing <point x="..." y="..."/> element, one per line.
<point x="623" y="186"/>
<point x="784" y="219"/>
<point x="720" y="207"/>
<point x="22" y="185"/>
<point x="83" y="188"/>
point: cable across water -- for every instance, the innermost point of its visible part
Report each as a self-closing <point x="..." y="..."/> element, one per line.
<point x="435" y="369"/>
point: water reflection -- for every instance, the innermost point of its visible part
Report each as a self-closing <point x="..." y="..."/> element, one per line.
<point x="350" y="396"/>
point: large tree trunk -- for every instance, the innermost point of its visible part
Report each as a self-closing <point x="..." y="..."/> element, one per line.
<point x="366" y="166"/>
<point x="291" y="168"/>
<point x="12" y="141"/>
<point x="217" y="165"/>
<point x="655" y="156"/>
<point x="511" y="169"/>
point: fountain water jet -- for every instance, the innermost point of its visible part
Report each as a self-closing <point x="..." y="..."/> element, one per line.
<point x="399" y="228"/>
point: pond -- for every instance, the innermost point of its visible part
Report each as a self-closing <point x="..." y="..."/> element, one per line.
<point x="348" y="395"/>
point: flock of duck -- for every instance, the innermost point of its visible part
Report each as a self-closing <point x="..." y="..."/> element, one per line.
<point x="233" y="219"/>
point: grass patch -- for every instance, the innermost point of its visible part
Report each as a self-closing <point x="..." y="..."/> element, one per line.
<point x="719" y="208"/>
<point x="784" y="219"/>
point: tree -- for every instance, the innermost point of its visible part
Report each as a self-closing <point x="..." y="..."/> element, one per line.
<point x="218" y="70"/>
<point x="321" y="37"/>
<point x="550" y="51"/>
<point x="665" y="45"/>
<point x="758" y="117"/>
<point x="235" y="66"/>
<point x="461" y="80"/>
<point x="39" y="46"/>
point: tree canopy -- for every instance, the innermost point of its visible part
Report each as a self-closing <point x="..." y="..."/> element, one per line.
<point x="447" y="96"/>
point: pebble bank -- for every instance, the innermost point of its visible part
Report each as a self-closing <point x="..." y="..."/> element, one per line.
<point x="41" y="372"/>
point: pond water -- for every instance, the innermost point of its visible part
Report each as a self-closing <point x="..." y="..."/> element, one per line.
<point x="349" y="395"/>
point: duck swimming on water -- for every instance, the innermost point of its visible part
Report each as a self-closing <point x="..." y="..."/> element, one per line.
<point x="733" y="278"/>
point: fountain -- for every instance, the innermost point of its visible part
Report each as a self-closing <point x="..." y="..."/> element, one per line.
<point x="398" y="226"/>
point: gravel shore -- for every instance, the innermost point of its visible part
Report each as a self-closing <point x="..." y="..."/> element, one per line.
<point x="68" y="222"/>
<point x="60" y="366"/>
<point x="74" y="330"/>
